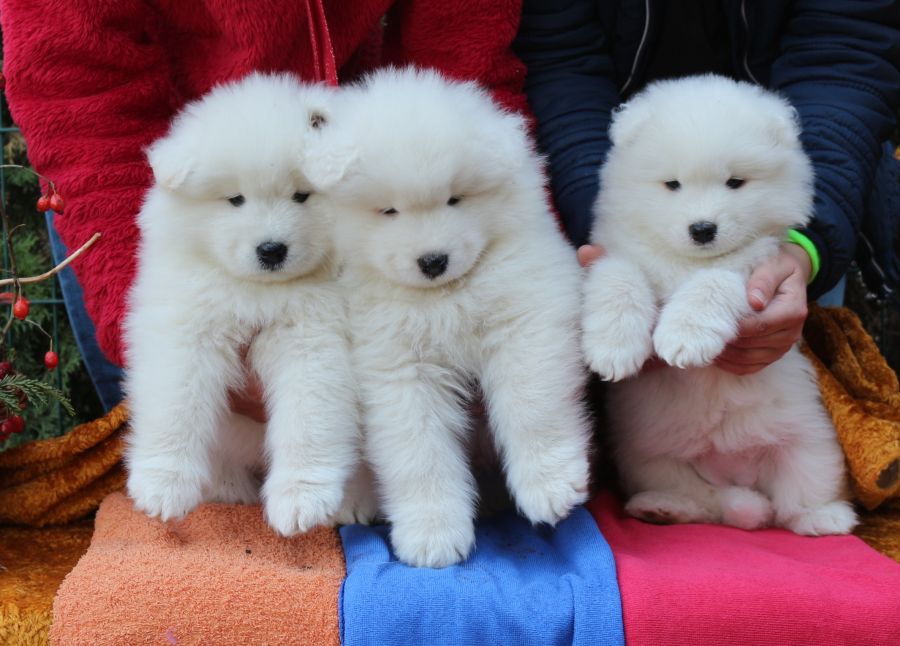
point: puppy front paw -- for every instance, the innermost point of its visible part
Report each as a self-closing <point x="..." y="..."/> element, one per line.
<point x="293" y="506"/>
<point x="434" y="542"/>
<point x="687" y="344"/>
<point x="548" y="492"/>
<point x="164" y="493"/>
<point x="612" y="351"/>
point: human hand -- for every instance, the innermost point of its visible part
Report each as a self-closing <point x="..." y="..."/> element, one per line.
<point x="777" y="293"/>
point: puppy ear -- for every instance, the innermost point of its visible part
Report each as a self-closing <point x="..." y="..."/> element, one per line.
<point x="326" y="158"/>
<point x="628" y="120"/>
<point x="785" y="124"/>
<point x="171" y="166"/>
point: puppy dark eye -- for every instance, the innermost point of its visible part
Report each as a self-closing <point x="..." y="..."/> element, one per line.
<point x="735" y="182"/>
<point x="300" y="198"/>
<point x="453" y="201"/>
<point x="388" y="211"/>
<point x="673" y="184"/>
<point x="237" y="200"/>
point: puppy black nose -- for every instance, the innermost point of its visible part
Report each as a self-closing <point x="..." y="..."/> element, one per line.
<point x="433" y="264"/>
<point x="271" y="254"/>
<point x="702" y="232"/>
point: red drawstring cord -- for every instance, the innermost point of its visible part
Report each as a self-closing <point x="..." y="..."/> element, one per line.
<point x="320" y="42"/>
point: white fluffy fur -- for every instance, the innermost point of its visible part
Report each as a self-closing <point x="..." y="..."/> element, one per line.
<point x="504" y="314"/>
<point x="694" y="443"/>
<point x="202" y="298"/>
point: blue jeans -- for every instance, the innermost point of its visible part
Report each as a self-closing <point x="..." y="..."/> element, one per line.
<point x="835" y="296"/>
<point x="105" y="376"/>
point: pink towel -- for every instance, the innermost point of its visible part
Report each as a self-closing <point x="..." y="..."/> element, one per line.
<point x="708" y="585"/>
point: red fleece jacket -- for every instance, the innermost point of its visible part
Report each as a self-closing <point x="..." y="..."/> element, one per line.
<point x="92" y="82"/>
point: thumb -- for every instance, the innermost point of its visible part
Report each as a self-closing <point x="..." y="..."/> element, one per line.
<point x="763" y="284"/>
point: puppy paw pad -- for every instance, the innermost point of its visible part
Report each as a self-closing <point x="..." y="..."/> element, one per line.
<point x="663" y="508"/>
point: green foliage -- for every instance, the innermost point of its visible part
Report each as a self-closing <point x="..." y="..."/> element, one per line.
<point x="38" y="393"/>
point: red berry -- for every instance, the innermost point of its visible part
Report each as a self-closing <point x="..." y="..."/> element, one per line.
<point x="5" y="368"/>
<point x="57" y="204"/>
<point x="43" y="203"/>
<point x="17" y="424"/>
<point x="20" y="308"/>
<point x="51" y="359"/>
<point x="5" y="429"/>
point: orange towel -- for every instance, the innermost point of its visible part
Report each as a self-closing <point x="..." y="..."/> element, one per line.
<point x="220" y="576"/>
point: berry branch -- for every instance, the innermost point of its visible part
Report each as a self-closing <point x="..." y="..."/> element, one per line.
<point x="17" y="390"/>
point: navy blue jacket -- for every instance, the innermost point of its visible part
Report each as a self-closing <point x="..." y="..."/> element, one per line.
<point x="837" y="61"/>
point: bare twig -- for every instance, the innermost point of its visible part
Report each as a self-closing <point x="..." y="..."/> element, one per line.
<point x="51" y="272"/>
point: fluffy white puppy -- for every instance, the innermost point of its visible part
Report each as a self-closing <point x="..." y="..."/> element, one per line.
<point x="457" y="276"/>
<point x="704" y="178"/>
<point x="235" y="266"/>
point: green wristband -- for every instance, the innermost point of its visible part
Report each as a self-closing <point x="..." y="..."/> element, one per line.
<point x="798" y="238"/>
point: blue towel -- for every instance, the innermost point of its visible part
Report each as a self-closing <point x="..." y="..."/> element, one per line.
<point x="522" y="585"/>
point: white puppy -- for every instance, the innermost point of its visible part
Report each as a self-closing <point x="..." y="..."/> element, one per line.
<point x="457" y="275"/>
<point x="704" y="177"/>
<point x="236" y="266"/>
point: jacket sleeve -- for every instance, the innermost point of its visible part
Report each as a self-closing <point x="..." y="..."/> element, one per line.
<point x="840" y="67"/>
<point x="89" y="90"/>
<point x="571" y="91"/>
<point x="466" y="40"/>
